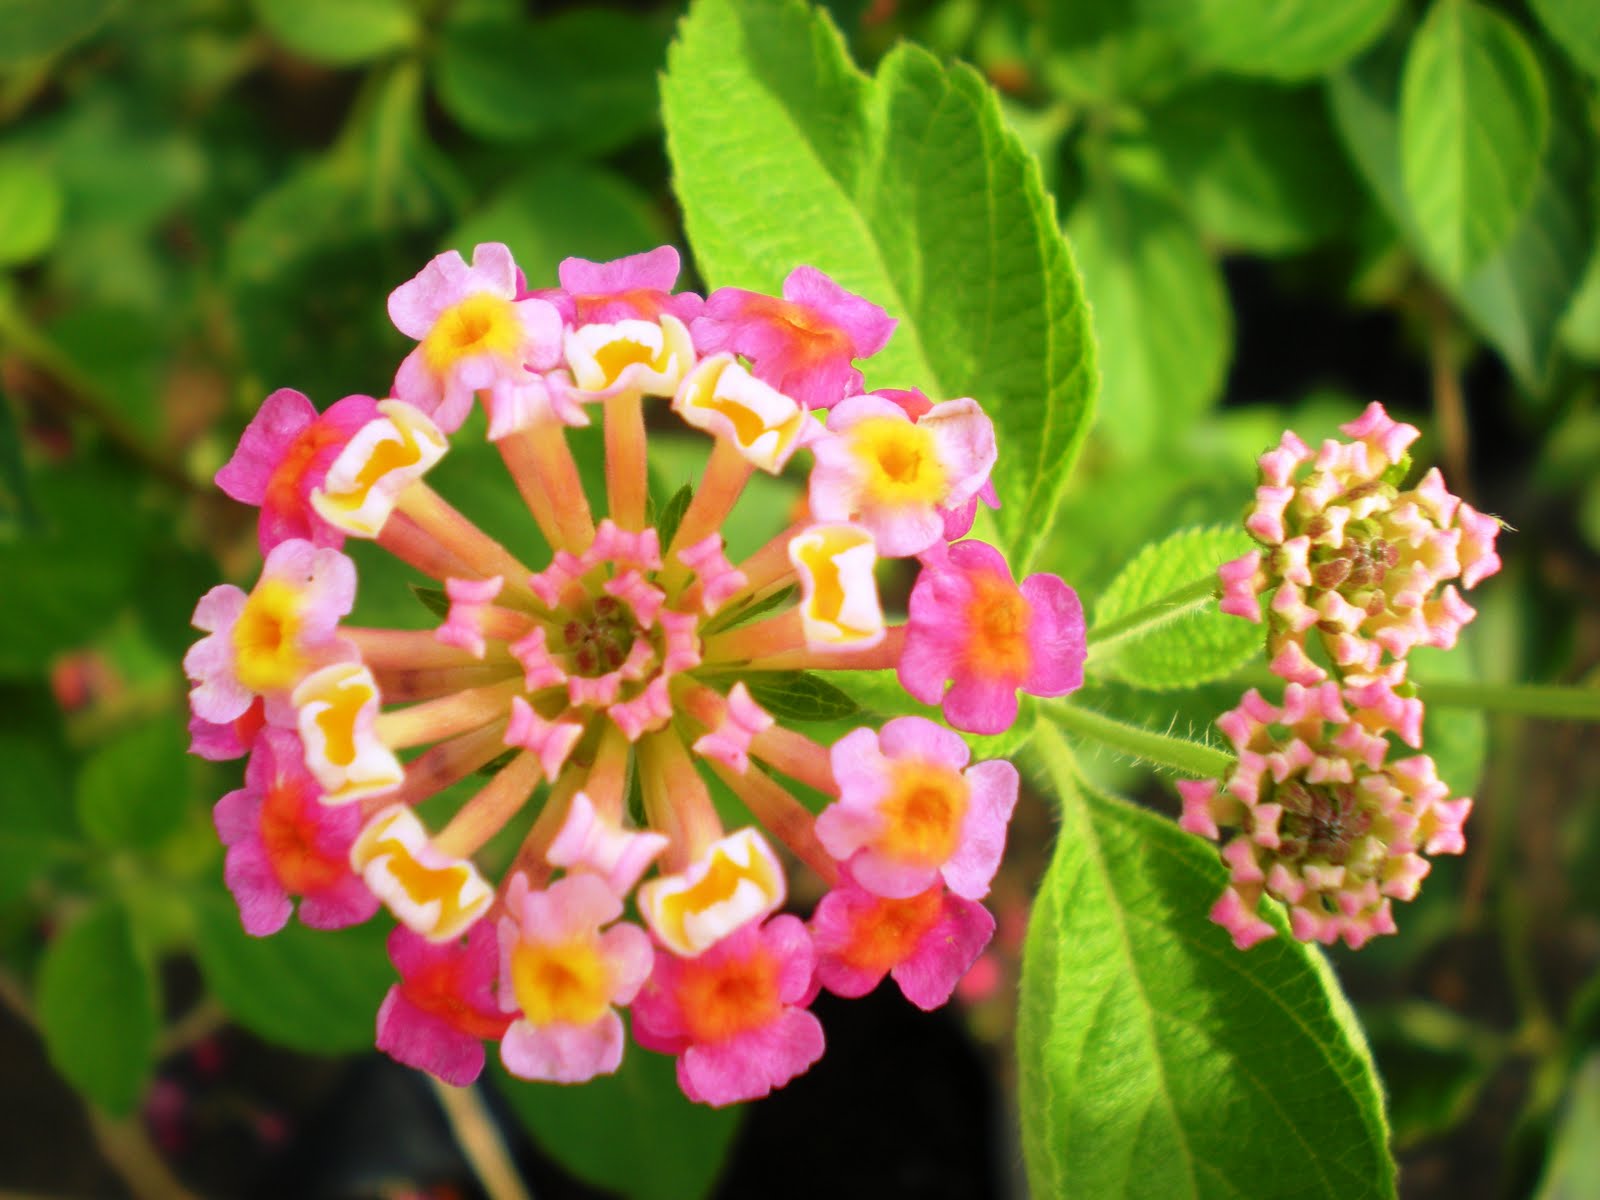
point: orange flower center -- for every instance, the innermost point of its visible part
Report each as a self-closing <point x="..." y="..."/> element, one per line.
<point x="289" y="835"/>
<point x="723" y="1000"/>
<point x="434" y="991"/>
<point x="999" y="617"/>
<point x="885" y="935"/>
<point x="923" y="813"/>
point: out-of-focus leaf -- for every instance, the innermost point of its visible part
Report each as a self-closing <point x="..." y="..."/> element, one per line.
<point x="1278" y="39"/>
<point x="907" y="189"/>
<point x="36" y="825"/>
<point x="34" y="28"/>
<point x="1203" y="644"/>
<point x="667" y="1148"/>
<point x="1580" y="328"/>
<point x="1110" y="51"/>
<point x="1259" y="166"/>
<point x="97" y="1008"/>
<point x="1474" y="119"/>
<point x="309" y="989"/>
<point x="1517" y="298"/>
<point x="133" y="790"/>
<point x="1575" y="25"/>
<point x="557" y="209"/>
<point x="18" y="513"/>
<point x="1456" y="738"/>
<point x="435" y="600"/>
<point x="1161" y="314"/>
<point x="343" y="32"/>
<point x="30" y="209"/>
<point x="586" y="77"/>
<point x="1433" y="1063"/>
<point x="127" y="353"/>
<point x="1574" y="1162"/>
<point x="1157" y="1060"/>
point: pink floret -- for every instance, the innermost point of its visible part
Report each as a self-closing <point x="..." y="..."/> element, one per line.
<point x="638" y="287"/>
<point x="438" y="1016"/>
<point x="803" y="344"/>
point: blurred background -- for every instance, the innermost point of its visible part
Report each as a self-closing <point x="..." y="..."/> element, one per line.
<point x="204" y="200"/>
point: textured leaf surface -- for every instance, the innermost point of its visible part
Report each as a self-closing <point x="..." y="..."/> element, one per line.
<point x="1203" y="644"/>
<point x="908" y="189"/>
<point x="633" y="1133"/>
<point x="1473" y="123"/>
<point x="1161" y="315"/>
<point x="1280" y="39"/>
<point x="1158" y="1061"/>
<point x="800" y="696"/>
<point x="308" y="989"/>
<point x="96" y="1005"/>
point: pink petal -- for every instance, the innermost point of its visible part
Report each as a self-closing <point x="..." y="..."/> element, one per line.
<point x="945" y="953"/>
<point x="983" y="833"/>
<point x="561" y="1053"/>
<point x="750" y="1065"/>
<point x="421" y="1040"/>
<point x="280" y="418"/>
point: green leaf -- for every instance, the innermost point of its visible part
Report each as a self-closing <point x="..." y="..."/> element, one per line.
<point x="342" y="33"/>
<point x="1574" y="1162"/>
<point x="633" y="1133"/>
<point x="36" y="826"/>
<point x="1278" y="39"/>
<point x="753" y="609"/>
<point x="799" y="696"/>
<point x="1157" y="1060"/>
<point x="1575" y="26"/>
<point x="30" y="209"/>
<point x="133" y="790"/>
<point x="1197" y="647"/>
<point x="1161" y="313"/>
<point x="35" y="28"/>
<point x="908" y="189"/>
<point x="672" y="514"/>
<point x="97" y="1009"/>
<point x="1457" y="739"/>
<point x="585" y="77"/>
<point x="1259" y="166"/>
<point x="1474" y="119"/>
<point x="557" y="209"/>
<point x="1111" y="51"/>
<point x="1434" y="1065"/>
<point x="1517" y="298"/>
<point x="435" y="600"/>
<point x="18" y="512"/>
<point x="314" y="990"/>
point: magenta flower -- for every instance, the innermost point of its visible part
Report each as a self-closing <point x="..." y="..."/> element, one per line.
<point x="231" y="739"/>
<point x="732" y="1015"/>
<point x="906" y="479"/>
<point x="562" y="975"/>
<point x="926" y="942"/>
<point x="284" y="455"/>
<point x="1326" y="824"/>
<point x="802" y="344"/>
<point x="911" y="811"/>
<point x="972" y="626"/>
<point x="475" y="337"/>
<point x="266" y="642"/>
<point x="638" y="287"/>
<point x="443" y="1009"/>
<point x="284" y="842"/>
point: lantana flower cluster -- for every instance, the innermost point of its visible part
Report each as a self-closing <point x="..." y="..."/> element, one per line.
<point x="596" y="695"/>
<point x="1325" y="817"/>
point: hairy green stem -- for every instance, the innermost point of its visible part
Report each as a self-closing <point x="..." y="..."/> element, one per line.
<point x="1160" y="749"/>
<point x="1152" y="616"/>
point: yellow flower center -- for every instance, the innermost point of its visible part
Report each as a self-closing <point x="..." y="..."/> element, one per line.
<point x="923" y="812"/>
<point x="901" y="462"/>
<point x="338" y="721"/>
<point x="566" y="983"/>
<point x="481" y="324"/>
<point x="266" y="657"/>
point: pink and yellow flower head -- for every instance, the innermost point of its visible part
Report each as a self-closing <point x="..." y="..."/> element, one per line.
<point x="284" y="842"/>
<point x="971" y="626"/>
<point x="1348" y="554"/>
<point x="803" y="344"/>
<point x="562" y="975"/>
<point x="1324" y="820"/>
<point x="474" y="336"/>
<point x="284" y="456"/>
<point x="439" y="1015"/>
<point x="594" y="694"/>
<point x="733" y="1015"/>
<point x="906" y="479"/>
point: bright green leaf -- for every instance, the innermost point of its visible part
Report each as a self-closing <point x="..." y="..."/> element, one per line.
<point x="314" y="990"/>
<point x="1474" y="118"/>
<point x="633" y="1132"/>
<point x="1278" y="39"/>
<point x="342" y="32"/>
<point x="1258" y="165"/>
<point x="30" y="209"/>
<point x="586" y="77"/>
<point x="908" y="189"/>
<point x="1161" y="314"/>
<point x="799" y="696"/>
<point x="1575" y="25"/>
<point x="1203" y="644"/>
<point x="1156" y="1060"/>
<point x="133" y="790"/>
<point x="1574" y="1162"/>
<point x="1517" y="298"/>
<point x="35" y="28"/>
<point x="97" y="1009"/>
<point x="672" y="514"/>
